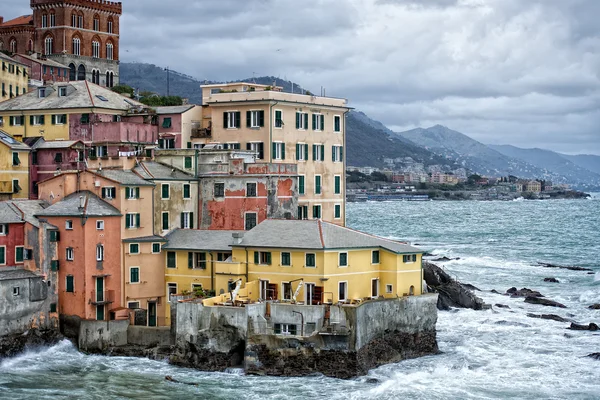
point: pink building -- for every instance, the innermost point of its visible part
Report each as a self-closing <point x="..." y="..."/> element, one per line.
<point x="43" y="71"/>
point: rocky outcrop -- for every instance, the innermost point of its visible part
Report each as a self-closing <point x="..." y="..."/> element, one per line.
<point x="444" y="258"/>
<point x="594" y="307"/>
<point x="589" y="327"/>
<point x="569" y="267"/>
<point x="595" y="356"/>
<point x="514" y="292"/>
<point x="451" y="292"/>
<point x="553" y="317"/>
<point x="12" y="345"/>
<point x="551" y="280"/>
<point x="193" y="356"/>
<point x="501" y="305"/>
<point x="543" y="302"/>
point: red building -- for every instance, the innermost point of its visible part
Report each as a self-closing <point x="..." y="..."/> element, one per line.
<point x="12" y="237"/>
<point x="43" y="71"/>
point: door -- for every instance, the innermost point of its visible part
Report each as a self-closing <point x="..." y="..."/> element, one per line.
<point x="273" y="293"/>
<point x="264" y="290"/>
<point x="99" y="289"/>
<point x="374" y="288"/>
<point x="100" y="313"/>
<point x="318" y="295"/>
<point x="309" y="291"/>
<point x="151" y="313"/>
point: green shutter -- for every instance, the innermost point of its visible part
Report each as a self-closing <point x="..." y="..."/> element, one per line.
<point x="306" y="152"/>
<point x="301" y="184"/>
<point x="248" y="119"/>
<point x="268" y="258"/>
<point x="306" y="120"/>
<point x="19" y="254"/>
<point x="42" y="119"/>
<point x="261" y="118"/>
<point x="297" y="120"/>
<point x="165" y="191"/>
<point x="137" y="220"/>
<point x="191" y="220"/>
<point x="238" y="116"/>
<point x="336" y="123"/>
<point x="273" y="149"/>
<point x="337" y="211"/>
<point x="337" y="184"/>
<point x="31" y="120"/>
<point x="322" y="152"/>
<point x="127" y="192"/>
<point x="70" y="285"/>
<point x="314" y="122"/>
<point x="165" y="221"/>
<point x="127" y="221"/>
<point x="297" y="151"/>
<point x="317" y="184"/>
<point x="53" y="119"/>
<point x="341" y="153"/>
<point x="256" y="258"/>
<point x="322" y="121"/>
<point x="188" y="162"/>
<point x="283" y="151"/>
<point x="181" y="221"/>
<point x="190" y="260"/>
<point x="314" y="152"/>
<point x="137" y="192"/>
<point x="278" y="119"/>
<point x="225" y="120"/>
<point x="333" y="153"/>
<point x="186" y="191"/>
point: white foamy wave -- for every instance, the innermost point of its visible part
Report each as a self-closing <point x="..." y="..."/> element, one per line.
<point x="31" y="359"/>
<point x="597" y="277"/>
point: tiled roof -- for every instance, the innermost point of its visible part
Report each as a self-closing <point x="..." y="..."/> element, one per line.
<point x="29" y="208"/>
<point x="80" y="94"/>
<point x="174" y="109"/>
<point x="10" y="59"/>
<point x="22" y="20"/>
<point x="9" y="214"/>
<point x="16" y="273"/>
<point x="316" y="235"/>
<point x="124" y="177"/>
<point x="193" y="239"/>
<point x="155" y="170"/>
<point x="70" y="206"/>
<point x="46" y="61"/>
<point x="11" y="142"/>
<point x="145" y="239"/>
<point x="57" y="144"/>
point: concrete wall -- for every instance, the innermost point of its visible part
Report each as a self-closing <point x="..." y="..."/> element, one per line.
<point x="98" y="335"/>
<point x="149" y="336"/>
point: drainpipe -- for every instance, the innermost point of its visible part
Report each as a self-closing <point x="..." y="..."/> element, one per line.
<point x="271" y="131"/>
<point x="246" y="249"/>
<point x="344" y="166"/>
<point x="212" y="272"/>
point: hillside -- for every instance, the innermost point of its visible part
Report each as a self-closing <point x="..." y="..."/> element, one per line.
<point x="587" y="161"/>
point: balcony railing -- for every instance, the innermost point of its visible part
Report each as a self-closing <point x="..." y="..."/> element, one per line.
<point x="103" y="297"/>
<point x="199" y="133"/>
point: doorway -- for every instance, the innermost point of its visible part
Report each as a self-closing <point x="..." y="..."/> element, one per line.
<point x="151" y="313"/>
<point x="374" y="288"/>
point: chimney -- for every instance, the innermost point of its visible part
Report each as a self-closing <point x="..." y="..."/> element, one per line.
<point x="237" y="237"/>
<point x="81" y="203"/>
<point x="1" y="20"/>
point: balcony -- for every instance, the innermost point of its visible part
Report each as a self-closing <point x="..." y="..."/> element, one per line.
<point x="201" y="133"/>
<point x="35" y="82"/>
<point x="229" y="268"/>
<point x="6" y="187"/>
<point x="104" y="297"/>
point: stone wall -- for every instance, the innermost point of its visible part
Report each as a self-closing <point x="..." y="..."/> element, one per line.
<point x="95" y="336"/>
<point x="149" y="336"/>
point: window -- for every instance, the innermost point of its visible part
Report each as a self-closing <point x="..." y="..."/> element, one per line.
<point x="187" y="220"/>
<point x="133" y="305"/>
<point x="286" y="259"/>
<point x="255" y="119"/>
<point x="16" y="290"/>
<point x="44" y="21"/>
<point x="251" y="189"/>
<point x="95" y="49"/>
<point x="262" y="257"/>
<point x="16" y="186"/>
<point x="134" y="248"/>
<point x="36" y="120"/>
<point x="155" y="248"/>
<point x="219" y="190"/>
<point x="311" y="260"/>
<point x="171" y="290"/>
<point x="54" y="236"/>
<point x="278" y="151"/>
<point x="257" y="147"/>
<point x="134" y="275"/>
<point x="13" y="46"/>
<point x="375" y="257"/>
<point x="70" y="284"/>
<point x="69" y="225"/>
<point x="187" y="162"/>
<point x="409" y="258"/>
<point x="337" y="184"/>
<point x="301" y="184"/>
<point x="167" y="122"/>
<point x="231" y="119"/>
<point x="337" y="211"/>
<point x="164" y="190"/>
<point x="389" y="288"/>
<point x="301" y="120"/>
<point x="278" y="119"/>
<point x="58" y="158"/>
<point x="285" y="329"/>
<point x="302" y="212"/>
<point x="3" y="255"/>
<point x="19" y="254"/>
<point x="223" y="256"/>
<point x="59" y="119"/>
<point x="196" y="260"/>
<point x="100" y="151"/>
<point x="317" y="212"/>
<point x="318" y="152"/>
<point x="99" y="225"/>
<point x="17" y="121"/>
<point x="318" y="122"/>
<point x="250" y="220"/>
<point x="342" y="291"/>
<point x="70" y="256"/>
<point x="343" y="260"/>
<point x="3" y="229"/>
<point x="109" y="192"/>
<point x="132" y="193"/>
<point x="109" y="51"/>
<point x="187" y="191"/>
<point x="171" y="259"/>
<point x="232" y="146"/>
<point x="99" y="252"/>
<point x="337" y="153"/>
<point x="165" y="221"/>
<point x="286" y="291"/>
<point x="132" y="220"/>
<point x="77" y="46"/>
<point x="15" y="159"/>
<point x="337" y="123"/>
<point x="109" y="27"/>
<point x="317" y="184"/>
<point x="96" y="24"/>
<point x="301" y="152"/>
<point x="48" y="45"/>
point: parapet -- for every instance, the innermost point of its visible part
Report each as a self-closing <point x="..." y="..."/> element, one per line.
<point x="100" y="5"/>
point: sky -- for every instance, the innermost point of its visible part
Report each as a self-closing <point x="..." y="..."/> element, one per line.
<point x="520" y="72"/>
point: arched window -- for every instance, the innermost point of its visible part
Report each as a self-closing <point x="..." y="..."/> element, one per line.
<point x="48" y="45"/>
<point x="52" y="19"/>
<point x="112" y="83"/>
<point x="1" y="45"/>
<point x="96" y="22"/>
<point x="13" y="45"/>
<point x="96" y="77"/>
<point x="109" y="25"/>
<point x="95" y="49"/>
<point x="72" y="72"/>
<point x="109" y="51"/>
<point x="30" y="46"/>
<point x="44" y="20"/>
<point x="80" y="20"/>
<point x="81" y="73"/>
<point x="77" y="46"/>
<point x="74" y="20"/>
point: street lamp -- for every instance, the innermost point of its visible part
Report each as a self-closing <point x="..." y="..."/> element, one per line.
<point x="167" y="69"/>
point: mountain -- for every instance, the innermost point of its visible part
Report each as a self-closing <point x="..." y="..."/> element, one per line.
<point x="471" y="154"/>
<point x="551" y="161"/>
<point x="587" y="161"/>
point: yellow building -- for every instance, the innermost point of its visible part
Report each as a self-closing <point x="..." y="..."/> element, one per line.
<point x="14" y="168"/>
<point x="283" y="127"/>
<point x="14" y="78"/>
<point x="533" y="186"/>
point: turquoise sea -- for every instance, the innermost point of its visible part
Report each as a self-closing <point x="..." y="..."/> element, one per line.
<point x="495" y="354"/>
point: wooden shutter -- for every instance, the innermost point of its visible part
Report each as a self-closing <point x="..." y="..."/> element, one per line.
<point x="336" y="181"/>
<point x="256" y="257"/>
<point x="103" y="193"/>
<point x="248" y="119"/>
<point x="322" y="152"/>
<point x="297" y="120"/>
<point x="181" y="219"/>
<point x="283" y="151"/>
<point x="298" y="151"/>
<point x="333" y="153"/>
<point x="268" y="258"/>
<point x="191" y="220"/>
<point x="137" y="192"/>
<point x="322" y="117"/>
<point x="261" y="150"/>
<point x="137" y="220"/>
<point x="238" y="117"/>
<point x="342" y="153"/>
<point x="306" y="152"/>
<point x="314" y="122"/>
<point x="190" y="260"/>
<point x="42" y="120"/>
<point x="273" y="150"/>
<point x="225" y="120"/>
<point x="306" y="121"/>
<point x="248" y="146"/>
<point x="261" y="118"/>
<point x="314" y="152"/>
<point x="127" y="192"/>
<point x="31" y="120"/>
<point x="301" y="184"/>
<point x="165" y="221"/>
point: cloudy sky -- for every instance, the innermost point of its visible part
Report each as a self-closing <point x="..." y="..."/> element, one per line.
<point x="523" y="72"/>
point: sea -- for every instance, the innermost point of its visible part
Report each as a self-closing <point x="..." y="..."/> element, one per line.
<point x="499" y="353"/>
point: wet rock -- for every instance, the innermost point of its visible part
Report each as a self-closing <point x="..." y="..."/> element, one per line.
<point x="495" y="291"/>
<point x="595" y="356"/>
<point x="512" y="323"/>
<point x="595" y="306"/>
<point x="451" y="292"/>
<point x="543" y="302"/>
<point x="590" y="327"/>
<point x="372" y="380"/>
<point x="591" y="273"/>
<point x="553" y="317"/>
<point x="552" y="280"/>
<point x="501" y="306"/>
<point x="569" y="267"/>
<point x="12" y="345"/>
<point x="444" y="258"/>
<point x="524" y="292"/>
<point x="471" y="287"/>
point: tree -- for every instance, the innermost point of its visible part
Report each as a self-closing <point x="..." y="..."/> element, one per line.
<point x="154" y="100"/>
<point x="123" y="89"/>
<point x="473" y="179"/>
<point x="378" y="176"/>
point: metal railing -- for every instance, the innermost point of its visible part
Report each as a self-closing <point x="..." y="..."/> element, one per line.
<point x="103" y="297"/>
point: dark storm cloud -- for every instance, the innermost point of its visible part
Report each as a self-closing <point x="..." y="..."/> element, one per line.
<point x="524" y="72"/>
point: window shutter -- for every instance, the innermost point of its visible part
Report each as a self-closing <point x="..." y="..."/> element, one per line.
<point x="269" y="258"/>
<point x="337" y="184"/>
<point x="314" y="122"/>
<point x="137" y="220"/>
<point x="248" y="146"/>
<point x="306" y="120"/>
<point x="297" y="151"/>
<point x="19" y="255"/>
<point x="341" y="153"/>
<point x="283" y="151"/>
<point x="255" y="257"/>
<point x="261" y="118"/>
<point x="261" y="150"/>
<point x="306" y="152"/>
<point x="53" y="119"/>
<point x="273" y="150"/>
<point x="225" y="120"/>
<point x="11" y="121"/>
<point x="314" y="152"/>
<point x="190" y="260"/>
<point x="322" y="117"/>
<point x="191" y="220"/>
<point x="137" y="192"/>
<point x="248" y="119"/>
<point x="237" y="119"/>
<point x="332" y="153"/>
<point x="181" y="217"/>
<point x="301" y="185"/>
<point x="165" y="221"/>
<point x="103" y="193"/>
<point x="42" y="119"/>
<point x="127" y="192"/>
<point x="297" y="120"/>
<point x="31" y="120"/>
<point x="322" y="152"/>
<point x="127" y="221"/>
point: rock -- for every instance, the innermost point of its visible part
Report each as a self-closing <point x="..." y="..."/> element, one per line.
<point x="553" y="280"/>
<point x="595" y="356"/>
<point x="595" y="306"/>
<point x="512" y="323"/>
<point x="513" y="292"/>
<point x="501" y="306"/>
<point x="591" y="273"/>
<point x="543" y="302"/>
<point x="372" y="380"/>
<point x="495" y="291"/>
<point x="471" y="287"/>
<point x="590" y="327"/>
<point x="569" y="267"/>
<point x="451" y="293"/>
<point x="444" y="258"/>
<point x="12" y="345"/>
<point x="553" y="317"/>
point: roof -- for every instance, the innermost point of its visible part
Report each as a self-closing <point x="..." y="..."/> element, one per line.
<point x="11" y="142"/>
<point x="80" y="94"/>
<point x="154" y="170"/>
<point x="29" y="208"/>
<point x="22" y="20"/>
<point x="56" y="144"/>
<point x="124" y="177"/>
<point x="10" y="59"/>
<point x="16" y="273"/>
<point x="145" y="239"/>
<point x="9" y="214"/>
<point x="45" y="61"/>
<point x="318" y="235"/>
<point x="193" y="239"/>
<point x="174" y="109"/>
<point x="70" y="206"/>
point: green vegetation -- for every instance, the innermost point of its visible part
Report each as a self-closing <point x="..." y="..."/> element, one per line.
<point x="154" y="100"/>
<point x="123" y="89"/>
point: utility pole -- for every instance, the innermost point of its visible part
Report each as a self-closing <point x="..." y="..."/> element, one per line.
<point x="167" y="69"/>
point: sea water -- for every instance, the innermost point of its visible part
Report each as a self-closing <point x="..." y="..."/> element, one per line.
<point x="497" y="353"/>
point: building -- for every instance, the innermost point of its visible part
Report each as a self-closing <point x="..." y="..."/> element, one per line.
<point x="14" y="168"/>
<point x="178" y="125"/>
<point x="285" y="128"/>
<point x="532" y="186"/>
<point x="13" y="78"/>
<point x="43" y="71"/>
<point x="81" y="34"/>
